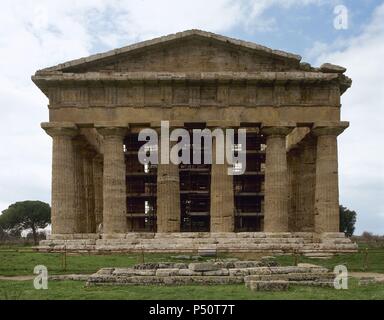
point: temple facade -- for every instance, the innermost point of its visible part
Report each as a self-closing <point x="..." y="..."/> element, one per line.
<point x="103" y="198"/>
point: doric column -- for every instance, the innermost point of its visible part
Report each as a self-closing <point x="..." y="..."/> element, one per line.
<point x="168" y="195"/>
<point x="89" y="192"/>
<point x="222" y="195"/>
<point x="327" y="188"/>
<point x="80" y="204"/>
<point x="294" y="196"/>
<point x="98" y="189"/>
<point x="63" y="191"/>
<point x="276" y="178"/>
<point x="114" y="180"/>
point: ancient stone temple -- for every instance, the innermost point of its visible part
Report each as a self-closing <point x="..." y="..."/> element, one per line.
<point x="103" y="198"/>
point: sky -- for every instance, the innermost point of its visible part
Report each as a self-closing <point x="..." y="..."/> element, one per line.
<point x="39" y="33"/>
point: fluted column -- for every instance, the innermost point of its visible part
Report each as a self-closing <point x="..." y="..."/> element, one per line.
<point x="294" y="192"/>
<point x="276" y="178"/>
<point x="168" y="195"/>
<point x="90" y="218"/>
<point x="62" y="213"/>
<point x="80" y="204"/>
<point x="98" y="189"/>
<point x="327" y="187"/>
<point x="222" y="195"/>
<point x="114" y="180"/>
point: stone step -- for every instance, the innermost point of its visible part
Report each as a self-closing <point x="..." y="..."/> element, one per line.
<point x="278" y="285"/>
<point x="292" y="277"/>
<point x="168" y="280"/>
<point x="277" y="243"/>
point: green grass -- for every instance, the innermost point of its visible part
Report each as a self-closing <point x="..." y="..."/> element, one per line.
<point x="358" y="262"/>
<point x="63" y="290"/>
<point x="22" y="260"/>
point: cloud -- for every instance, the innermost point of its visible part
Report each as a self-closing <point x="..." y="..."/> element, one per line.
<point x="361" y="150"/>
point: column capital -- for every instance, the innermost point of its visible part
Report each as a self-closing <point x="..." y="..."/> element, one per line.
<point x="277" y="129"/>
<point x="112" y="129"/>
<point x="60" y="129"/>
<point x="79" y="142"/>
<point x="325" y="128"/>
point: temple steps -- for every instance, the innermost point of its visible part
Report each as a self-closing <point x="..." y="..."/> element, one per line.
<point x="303" y="243"/>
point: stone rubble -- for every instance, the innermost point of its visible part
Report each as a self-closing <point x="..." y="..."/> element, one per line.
<point x="256" y="275"/>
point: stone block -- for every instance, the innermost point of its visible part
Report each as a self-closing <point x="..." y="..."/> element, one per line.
<point x="266" y="277"/>
<point x="236" y="272"/>
<point x="189" y="272"/>
<point x="166" y="265"/>
<point x="133" y="272"/>
<point x="325" y="283"/>
<point x="274" y="285"/>
<point x="247" y="264"/>
<point x="203" y="266"/>
<point x="61" y="237"/>
<point x="308" y="265"/>
<point x="167" y="272"/>
<point x="259" y="271"/>
<point x="225" y="264"/>
<point x="105" y="271"/>
<point x="224" y="235"/>
<point x="327" y="235"/>
<point x="113" y="236"/>
<point x="207" y="251"/>
<point x="220" y="272"/>
<point x="148" y="265"/>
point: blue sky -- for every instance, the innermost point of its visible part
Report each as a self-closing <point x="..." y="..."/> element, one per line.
<point x="295" y="28"/>
<point x="40" y="33"/>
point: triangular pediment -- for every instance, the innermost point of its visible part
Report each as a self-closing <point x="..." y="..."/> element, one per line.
<point x="188" y="51"/>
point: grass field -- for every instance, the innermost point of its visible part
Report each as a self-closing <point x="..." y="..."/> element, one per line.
<point x="21" y="261"/>
<point x="76" y="290"/>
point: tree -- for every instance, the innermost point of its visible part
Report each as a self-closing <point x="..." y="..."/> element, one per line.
<point x="3" y="234"/>
<point x="26" y="215"/>
<point x="347" y="221"/>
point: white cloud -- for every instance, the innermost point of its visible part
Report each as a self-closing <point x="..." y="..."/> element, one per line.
<point x="361" y="146"/>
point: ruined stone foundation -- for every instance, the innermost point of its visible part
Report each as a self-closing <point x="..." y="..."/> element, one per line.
<point x="277" y="243"/>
